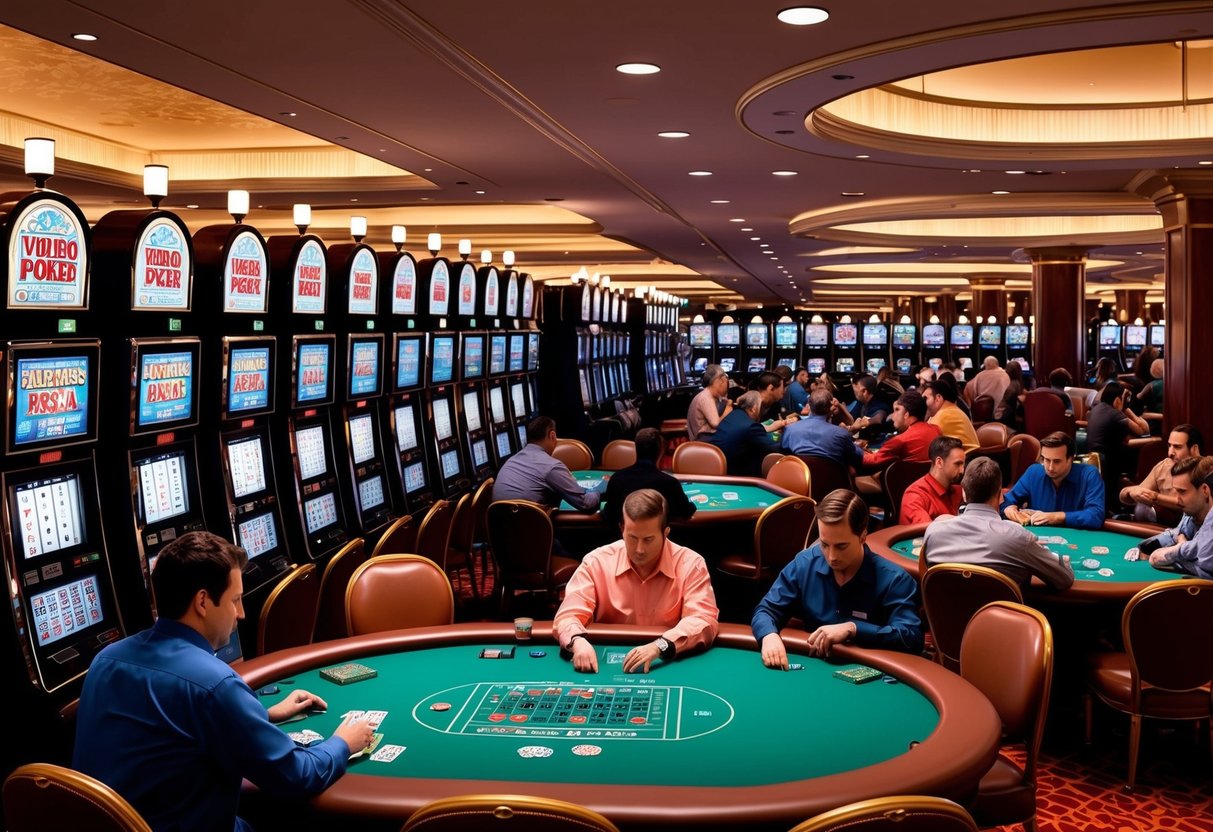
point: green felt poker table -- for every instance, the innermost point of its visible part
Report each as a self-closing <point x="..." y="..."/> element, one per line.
<point x="716" y="499"/>
<point x="898" y="543"/>
<point x="711" y="740"/>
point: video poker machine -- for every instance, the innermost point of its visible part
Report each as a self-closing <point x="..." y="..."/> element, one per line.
<point x="905" y="348"/>
<point x="1134" y="342"/>
<point x="500" y="425"/>
<point x="875" y="347"/>
<point x="728" y="346"/>
<point x="1109" y="333"/>
<point x="816" y="348"/>
<point x="522" y="351"/>
<point x="844" y="338"/>
<point x="756" y="353"/>
<point x="787" y="345"/>
<point x="1019" y="345"/>
<point x="934" y="340"/>
<point x="960" y="347"/>
<point x="470" y="390"/>
<point x="1158" y="337"/>
<point x="701" y="335"/>
<point x="990" y="342"/>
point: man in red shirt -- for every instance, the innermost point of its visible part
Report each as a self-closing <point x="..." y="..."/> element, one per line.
<point x="938" y="492"/>
<point x="914" y="433"/>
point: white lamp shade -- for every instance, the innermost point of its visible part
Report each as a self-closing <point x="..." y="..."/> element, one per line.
<point x="39" y="157"/>
<point x="155" y="180"/>
<point x="398" y="234"/>
<point x="358" y="226"/>
<point x="507" y="257"/>
<point x="465" y="248"/>
<point x="606" y="280"/>
<point x="303" y="213"/>
<point x="237" y="202"/>
<point x="486" y="257"/>
<point x="434" y="242"/>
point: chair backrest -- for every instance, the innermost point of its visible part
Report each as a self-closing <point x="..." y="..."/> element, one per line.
<point x="898" y="477"/>
<point x="993" y="434"/>
<point x="463" y="526"/>
<point x="1025" y="450"/>
<point x="574" y="453"/>
<point x="288" y="616"/>
<point x="792" y="473"/>
<point x="1153" y="623"/>
<point x="434" y="534"/>
<point x="480" y="507"/>
<point x="700" y="458"/>
<point x="619" y="454"/>
<point x="391" y="592"/>
<point x="330" y="612"/>
<point x="41" y="796"/>
<point x="782" y="531"/>
<point x="826" y="475"/>
<point x="506" y="812"/>
<point x="1007" y="654"/>
<point x="1093" y="459"/>
<point x="909" y="813"/>
<point x="952" y="593"/>
<point x="1082" y="399"/>
<point x="982" y="409"/>
<point x="400" y="536"/>
<point x="770" y="460"/>
<point x="520" y="535"/>
<point x="1043" y="413"/>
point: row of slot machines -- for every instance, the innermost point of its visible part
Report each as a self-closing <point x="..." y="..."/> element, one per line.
<point x="846" y="348"/>
<point x="1124" y="343"/>
<point x="282" y="393"/>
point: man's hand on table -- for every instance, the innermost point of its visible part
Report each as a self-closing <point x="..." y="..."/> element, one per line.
<point x="774" y="654"/>
<point x="1142" y="495"/>
<point x="357" y="734"/>
<point x="296" y="703"/>
<point x="585" y="657"/>
<point x="639" y="658"/>
<point x="826" y="636"/>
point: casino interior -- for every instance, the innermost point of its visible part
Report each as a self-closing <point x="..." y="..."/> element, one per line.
<point x="302" y="276"/>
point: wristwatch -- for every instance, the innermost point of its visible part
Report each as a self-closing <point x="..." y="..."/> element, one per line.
<point x="569" y="646"/>
<point x="666" y="647"/>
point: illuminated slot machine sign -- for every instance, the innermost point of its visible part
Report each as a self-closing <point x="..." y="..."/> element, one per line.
<point x="47" y="254"/>
<point x="245" y="273"/>
<point x="164" y="375"/>
<point x="311" y="443"/>
<point x="163" y="271"/>
<point x="363" y="298"/>
<point x="52" y="394"/>
<point x="309" y="292"/>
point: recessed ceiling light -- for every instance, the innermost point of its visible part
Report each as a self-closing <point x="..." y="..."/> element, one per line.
<point x="747" y="229"/>
<point x="289" y="114"/>
<point x="774" y="258"/>
<point x="720" y="202"/>
<point x="700" y="172"/>
<point x="341" y="138"/>
<point x="853" y="193"/>
<point x="755" y="239"/>
<point x="479" y="192"/>
<point x="638" y="68"/>
<point x="1206" y="162"/>
<point x="673" y="134"/>
<point x="428" y="170"/>
<point x="84" y="36"/>
<point x="1015" y="172"/>
<point x="355" y="199"/>
<point x="863" y="156"/>
<point x="803" y="16"/>
<point x="192" y="205"/>
<point x="1000" y="193"/>
<point x="784" y="172"/>
<point x="737" y="219"/>
<point x="425" y="199"/>
<point x="764" y="245"/>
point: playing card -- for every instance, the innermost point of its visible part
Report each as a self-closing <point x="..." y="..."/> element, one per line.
<point x="388" y="753"/>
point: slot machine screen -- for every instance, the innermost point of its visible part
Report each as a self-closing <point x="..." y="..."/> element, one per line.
<point x="49" y="512"/>
<point x="442" y="420"/>
<point x="362" y="438"/>
<point x="313" y="372"/>
<point x="320" y="512"/>
<point x="583" y="378"/>
<point x="962" y="335"/>
<point x="816" y="335"/>
<point x="450" y="464"/>
<point x="1135" y="337"/>
<point x="257" y="535"/>
<point x="406" y="428"/>
<point x="903" y="336"/>
<point x="1109" y="335"/>
<point x="757" y="335"/>
<point x="414" y="477"/>
<point x="701" y="335"/>
<point x="1017" y="335"/>
<point x="727" y="364"/>
<point x="845" y="335"/>
<point x="408" y="363"/>
<point x="728" y="335"/>
<point x="875" y="365"/>
<point x="989" y="336"/>
<point x="66" y="610"/>
<point x="364" y="372"/>
<point x="309" y="446"/>
<point x="816" y="366"/>
<point x="1158" y="336"/>
<point x="248" y="375"/>
<point x="785" y="334"/>
<point x="164" y="486"/>
<point x="164" y="385"/>
<point x="480" y="453"/>
<point x="52" y="395"/>
<point x="497" y="405"/>
<point x="517" y="353"/>
<point x="521" y="437"/>
<point x="875" y="335"/>
<point x="700" y="364"/>
<point x="932" y="335"/>
<point x="246" y="466"/>
<point x="497" y="354"/>
<point x="790" y="363"/>
<point x="473" y="357"/>
<point x="517" y="396"/>
<point x="370" y="493"/>
<point x="903" y="366"/>
<point x="757" y="365"/>
<point x="503" y="444"/>
<point x="442" y="365"/>
<point x="471" y="410"/>
<point x="845" y="365"/>
<point x="935" y="364"/>
<point x="532" y="351"/>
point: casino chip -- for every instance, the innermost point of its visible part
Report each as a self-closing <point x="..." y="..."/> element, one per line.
<point x="440" y="706"/>
<point x="1090" y="563"/>
<point x="1099" y="550"/>
<point x="587" y="750"/>
<point x="1106" y="572"/>
<point x="533" y="751"/>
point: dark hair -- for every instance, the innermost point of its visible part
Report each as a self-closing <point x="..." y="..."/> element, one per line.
<point x="867" y="383"/>
<point x="648" y="444"/>
<point x="643" y="504"/>
<point x="1185" y="466"/>
<point x="943" y="386"/>
<point x="1015" y="371"/>
<point x="914" y="404"/>
<point x="1192" y="432"/>
<point x="194" y="561"/>
<point x="1112" y="391"/>
<point x="1059" y="439"/>
<point x="820" y="402"/>
<point x="537" y="429"/>
<point x="842" y="505"/>
<point x="941" y="446"/>
<point x="1105" y="370"/>
<point x="1199" y="470"/>
<point x="982" y="480"/>
<point x="768" y="379"/>
<point x="1060" y="378"/>
<point x="784" y="372"/>
<point x="1141" y="365"/>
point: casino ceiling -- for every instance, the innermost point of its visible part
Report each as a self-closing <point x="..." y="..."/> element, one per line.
<point x="893" y="149"/>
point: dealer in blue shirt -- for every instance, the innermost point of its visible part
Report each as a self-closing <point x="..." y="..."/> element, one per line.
<point x="1055" y="491"/>
<point x="175" y="730"/>
<point x="841" y="589"/>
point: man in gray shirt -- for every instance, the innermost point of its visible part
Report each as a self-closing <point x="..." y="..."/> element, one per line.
<point x="979" y="536"/>
<point x="533" y="474"/>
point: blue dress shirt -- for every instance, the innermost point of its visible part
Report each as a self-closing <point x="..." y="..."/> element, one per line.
<point x="744" y="442"/>
<point x="881" y="599"/>
<point x="798" y="395"/>
<point x="815" y="436"/>
<point x="173" y="730"/>
<point x="1080" y="496"/>
<point x="1195" y="555"/>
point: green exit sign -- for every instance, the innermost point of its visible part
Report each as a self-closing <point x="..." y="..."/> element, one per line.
<point x="67" y="325"/>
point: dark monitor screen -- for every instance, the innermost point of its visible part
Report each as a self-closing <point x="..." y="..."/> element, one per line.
<point x="875" y="335"/>
<point x="408" y="362"/>
<point x="1017" y="335"/>
<point x="52" y="394"/>
<point x="989" y="335"/>
<point x="701" y="335"/>
<point x="785" y="334"/>
<point x="1109" y="335"/>
<point x="962" y="335"/>
<point x="497" y="354"/>
<point x="845" y="335"/>
<point x="473" y="357"/>
<point x="165" y="396"/>
<point x="728" y="335"/>
<point x="246" y="465"/>
<point x="249" y="377"/>
<point x="313" y="371"/>
<point x="816" y="335"/>
<point x="932" y="335"/>
<point x="1135" y="337"/>
<point x="815" y="366"/>
<point x="903" y="335"/>
<point x="442" y="363"/>
<point x="164" y="487"/>
<point x="757" y="335"/>
<point x="365" y="369"/>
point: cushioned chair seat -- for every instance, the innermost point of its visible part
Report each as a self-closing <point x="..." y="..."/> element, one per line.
<point x="1002" y="794"/>
<point x="1111" y="681"/>
<point x="740" y="566"/>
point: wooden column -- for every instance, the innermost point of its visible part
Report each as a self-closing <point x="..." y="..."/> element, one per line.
<point x="1058" y="277"/>
<point x="947" y="309"/>
<point x="1022" y="303"/>
<point x="989" y="297"/>
<point x="1130" y="304"/>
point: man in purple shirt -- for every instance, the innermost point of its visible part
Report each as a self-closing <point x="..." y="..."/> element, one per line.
<point x="534" y="474"/>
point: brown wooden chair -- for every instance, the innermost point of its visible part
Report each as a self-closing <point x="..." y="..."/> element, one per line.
<point x="505" y="813"/>
<point x="1162" y="674"/>
<point x="574" y="453"/>
<point x="330" y="612"/>
<point x="897" y="478"/>
<point x="392" y="592"/>
<point x="619" y="454"/>
<point x="434" y="534"/>
<point x="41" y="796"/>
<point x="459" y="549"/>
<point x="288" y="616"/>
<point x="826" y="475"/>
<point x="1093" y="459"/>
<point x="699" y="458"/>
<point x="768" y="461"/>
<point x="1043" y="413"/>
<point x="982" y="409"/>
<point x="1025" y="451"/>
<point x="481" y="497"/>
<point x="792" y="473"/>
<point x="993" y="435"/>
<point x="951" y="594"/>
<point x="1007" y="654"/>
<point x="781" y="532"/>
<point x="910" y="813"/>
<point x="521" y="535"/>
<point x="400" y="536"/>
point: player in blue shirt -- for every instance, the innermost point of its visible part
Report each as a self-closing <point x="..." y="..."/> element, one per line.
<point x="1055" y="491"/>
